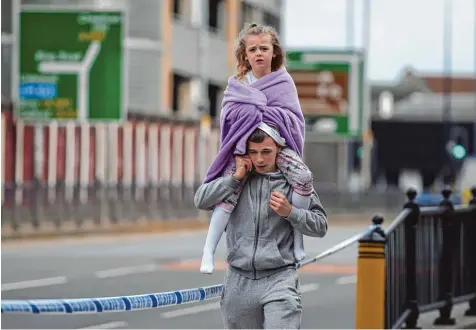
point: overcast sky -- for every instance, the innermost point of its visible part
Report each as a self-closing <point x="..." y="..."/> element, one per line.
<point x="403" y="32"/>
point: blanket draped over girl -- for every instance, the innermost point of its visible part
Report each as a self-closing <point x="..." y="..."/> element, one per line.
<point x="272" y="99"/>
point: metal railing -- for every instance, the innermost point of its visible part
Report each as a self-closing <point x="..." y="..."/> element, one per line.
<point x="423" y="261"/>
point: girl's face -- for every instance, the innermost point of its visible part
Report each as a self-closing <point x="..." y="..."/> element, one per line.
<point x="259" y="53"/>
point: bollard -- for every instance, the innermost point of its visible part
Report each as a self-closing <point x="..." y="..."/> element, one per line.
<point x="446" y="278"/>
<point x="471" y="311"/>
<point x="370" y="295"/>
<point x="411" y="262"/>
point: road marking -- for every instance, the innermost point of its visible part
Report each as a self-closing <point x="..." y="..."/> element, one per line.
<point x="216" y="305"/>
<point x="309" y="287"/>
<point x="194" y="264"/>
<point x="110" y="325"/>
<point x="328" y="269"/>
<point x="347" y="280"/>
<point x="102" y="239"/>
<point x="191" y="310"/>
<point x="123" y="271"/>
<point x="34" y="283"/>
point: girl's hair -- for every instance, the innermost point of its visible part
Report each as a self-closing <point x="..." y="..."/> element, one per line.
<point x="242" y="65"/>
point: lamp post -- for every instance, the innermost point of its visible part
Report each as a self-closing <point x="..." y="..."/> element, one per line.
<point x="474" y="82"/>
<point x="447" y="62"/>
<point x="350" y="23"/>
<point x="447" y="81"/>
<point x="367" y="144"/>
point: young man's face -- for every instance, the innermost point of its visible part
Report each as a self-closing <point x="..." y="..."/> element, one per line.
<point x="263" y="155"/>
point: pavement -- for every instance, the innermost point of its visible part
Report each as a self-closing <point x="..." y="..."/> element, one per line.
<point x="88" y="229"/>
<point x="139" y="264"/>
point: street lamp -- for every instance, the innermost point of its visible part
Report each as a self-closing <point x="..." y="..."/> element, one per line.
<point x="447" y="81"/>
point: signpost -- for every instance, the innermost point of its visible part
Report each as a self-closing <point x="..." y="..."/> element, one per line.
<point x="330" y="86"/>
<point x="71" y="64"/>
<point x="335" y="100"/>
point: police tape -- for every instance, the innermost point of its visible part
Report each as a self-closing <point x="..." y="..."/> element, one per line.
<point x="111" y="304"/>
<point x="141" y="302"/>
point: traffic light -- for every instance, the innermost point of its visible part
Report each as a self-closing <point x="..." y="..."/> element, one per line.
<point x="457" y="145"/>
<point x="356" y="155"/>
<point x="458" y="151"/>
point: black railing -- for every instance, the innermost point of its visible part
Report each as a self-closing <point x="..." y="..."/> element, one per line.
<point x="430" y="261"/>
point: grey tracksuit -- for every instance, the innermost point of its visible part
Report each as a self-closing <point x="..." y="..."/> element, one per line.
<point x="261" y="286"/>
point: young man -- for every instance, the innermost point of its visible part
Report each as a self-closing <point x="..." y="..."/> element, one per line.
<point x="261" y="288"/>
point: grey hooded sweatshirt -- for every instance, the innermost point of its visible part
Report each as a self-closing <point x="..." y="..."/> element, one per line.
<point x="259" y="241"/>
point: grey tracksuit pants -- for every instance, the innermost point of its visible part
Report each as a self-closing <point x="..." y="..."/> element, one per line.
<point x="272" y="302"/>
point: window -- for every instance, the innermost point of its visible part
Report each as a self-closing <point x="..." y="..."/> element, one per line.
<point x="246" y="14"/>
<point x="177" y="92"/>
<point x="274" y="21"/>
<point x="182" y="9"/>
<point x="177" y="7"/>
<point x="7" y="19"/>
<point x="213" y="93"/>
<point x="213" y="14"/>
<point x="386" y="104"/>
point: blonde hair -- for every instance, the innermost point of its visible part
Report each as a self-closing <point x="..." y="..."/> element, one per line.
<point x="242" y="65"/>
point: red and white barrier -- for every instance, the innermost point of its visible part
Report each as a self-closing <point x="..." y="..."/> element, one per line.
<point x="190" y="157"/>
<point x="4" y="148"/>
<point x="153" y="154"/>
<point x="127" y="153"/>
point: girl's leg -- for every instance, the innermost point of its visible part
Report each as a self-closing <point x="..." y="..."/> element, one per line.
<point x="300" y="178"/>
<point x="218" y="223"/>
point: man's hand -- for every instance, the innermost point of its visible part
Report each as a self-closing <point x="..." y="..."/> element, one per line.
<point x="243" y="166"/>
<point x="279" y="204"/>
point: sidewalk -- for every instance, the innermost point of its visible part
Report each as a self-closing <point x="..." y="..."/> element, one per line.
<point x="426" y="320"/>
<point x="89" y="229"/>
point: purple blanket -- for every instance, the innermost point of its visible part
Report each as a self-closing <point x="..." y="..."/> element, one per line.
<point x="272" y="99"/>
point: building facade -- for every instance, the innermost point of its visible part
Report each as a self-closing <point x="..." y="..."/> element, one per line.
<point x="210" y="55"/>
<point x="169" y="54"/>
<point x="180" y="52"/>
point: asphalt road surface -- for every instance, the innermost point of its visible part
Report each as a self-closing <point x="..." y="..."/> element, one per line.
<point x="130" y="265"/>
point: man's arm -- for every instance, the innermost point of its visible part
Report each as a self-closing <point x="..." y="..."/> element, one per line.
<point x="210" y="194"/>
<point x="311" y="222"/>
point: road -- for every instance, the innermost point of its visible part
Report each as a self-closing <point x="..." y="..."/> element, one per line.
<point x="127" y="265"/>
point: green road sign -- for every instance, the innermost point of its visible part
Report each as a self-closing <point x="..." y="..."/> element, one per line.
<point x="71" y="65"/>
<point x="331" y="89"/>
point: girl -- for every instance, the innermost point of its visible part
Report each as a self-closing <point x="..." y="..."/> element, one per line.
<point x="259" y="53"/>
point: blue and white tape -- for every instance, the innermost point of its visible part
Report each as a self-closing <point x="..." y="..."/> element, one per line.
<point x="139" y="302"/>
<point x="111" y="304"/>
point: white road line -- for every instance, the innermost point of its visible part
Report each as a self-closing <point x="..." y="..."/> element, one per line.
<point x="123" y="271"/>
<point x="34" y="283"/>
<point x="191" y="310"/>
<point x="216" y="305"/>
<point x="309" y="287"/>
<point x="347" y="280"/>
<point x="110" y="325"/>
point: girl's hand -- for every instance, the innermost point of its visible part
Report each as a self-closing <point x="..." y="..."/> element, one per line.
<point x="243" y="167"/>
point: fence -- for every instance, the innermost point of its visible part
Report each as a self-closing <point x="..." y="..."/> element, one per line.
<point x="72" y="176"/>
<point x="82" y="177"/>
<point x="423" y="261"/>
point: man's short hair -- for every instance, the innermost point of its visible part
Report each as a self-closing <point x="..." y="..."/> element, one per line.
<point x="257" y="136"/>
